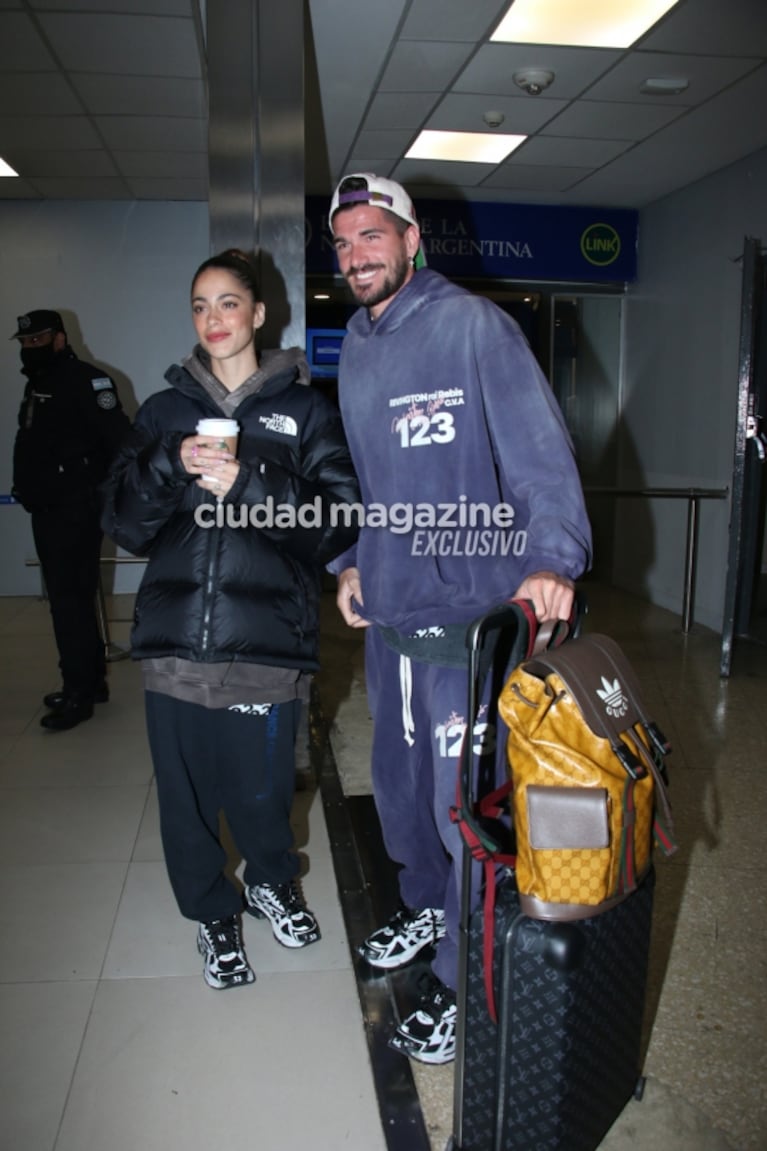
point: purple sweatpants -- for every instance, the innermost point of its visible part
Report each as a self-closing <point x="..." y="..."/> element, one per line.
<point x="419" y="718"/>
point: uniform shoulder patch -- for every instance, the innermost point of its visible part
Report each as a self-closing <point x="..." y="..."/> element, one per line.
<point x="106" y="400"/>
<point x="101" y="383"/>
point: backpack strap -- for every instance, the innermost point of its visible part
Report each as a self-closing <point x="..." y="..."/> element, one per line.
<point x="605" y="688"/>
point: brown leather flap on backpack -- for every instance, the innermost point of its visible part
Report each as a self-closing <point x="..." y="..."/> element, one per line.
<point x="567" y="818"/>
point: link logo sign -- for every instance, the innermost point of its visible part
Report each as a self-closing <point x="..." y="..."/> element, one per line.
<point x="526" y="242"/>
<point x="601" y="245"/>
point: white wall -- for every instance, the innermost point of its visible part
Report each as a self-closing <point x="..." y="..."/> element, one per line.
<point x="120" y="274"/>
<point x="682" y="325"/>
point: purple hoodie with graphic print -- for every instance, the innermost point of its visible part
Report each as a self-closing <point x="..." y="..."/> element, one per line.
<point x="467" y="471"/>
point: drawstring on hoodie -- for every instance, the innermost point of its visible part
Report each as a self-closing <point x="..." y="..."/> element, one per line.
<point x="406" y="688"/>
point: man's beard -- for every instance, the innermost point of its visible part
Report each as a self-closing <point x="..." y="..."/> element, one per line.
<point x="392" y="283"/>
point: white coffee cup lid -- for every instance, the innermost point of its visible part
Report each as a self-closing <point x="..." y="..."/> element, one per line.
<point x="217" y="427"/>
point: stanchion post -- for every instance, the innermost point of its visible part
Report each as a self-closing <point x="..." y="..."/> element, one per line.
<point x="112" y="651"/>
<point x="690" y="562"/>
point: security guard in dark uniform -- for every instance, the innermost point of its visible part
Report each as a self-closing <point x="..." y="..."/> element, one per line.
<point x="70" y="426"/>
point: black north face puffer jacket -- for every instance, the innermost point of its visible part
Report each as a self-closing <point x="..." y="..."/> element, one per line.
<point x="220" y="593"/>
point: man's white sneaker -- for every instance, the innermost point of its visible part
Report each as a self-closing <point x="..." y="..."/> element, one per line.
<point x="428" y="1033"/>
<point x="293" y="925"/>
<point x="400" y="940"/>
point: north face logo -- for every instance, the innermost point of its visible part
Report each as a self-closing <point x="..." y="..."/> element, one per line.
<point x="283" y="425"/>
<point x="613" y="698"/>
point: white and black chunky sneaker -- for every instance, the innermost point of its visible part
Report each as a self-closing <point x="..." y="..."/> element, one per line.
<point x="293" y="925"/>
<point x="226" y="964"/>
<point x="428" y="1033"/>
<point x="400" y="940"/>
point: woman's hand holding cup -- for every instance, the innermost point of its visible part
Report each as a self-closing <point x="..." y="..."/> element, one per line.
<point x="211" y="455"/>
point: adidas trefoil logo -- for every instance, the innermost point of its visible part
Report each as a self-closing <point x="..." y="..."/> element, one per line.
<point x="614" y="700"/>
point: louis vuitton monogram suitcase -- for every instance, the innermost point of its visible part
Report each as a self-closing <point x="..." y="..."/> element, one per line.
<point x="563" y="1060"/>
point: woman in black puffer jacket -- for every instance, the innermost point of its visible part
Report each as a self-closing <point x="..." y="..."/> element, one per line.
<point x="226" y="620"/>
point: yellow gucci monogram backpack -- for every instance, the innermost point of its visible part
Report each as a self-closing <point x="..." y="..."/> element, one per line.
<point x="588" y="786"/>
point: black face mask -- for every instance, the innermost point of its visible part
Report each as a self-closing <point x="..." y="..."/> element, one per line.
<point x="37" y="359"/>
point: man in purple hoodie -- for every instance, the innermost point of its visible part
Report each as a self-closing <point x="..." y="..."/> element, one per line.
<point x="471" y="498"/>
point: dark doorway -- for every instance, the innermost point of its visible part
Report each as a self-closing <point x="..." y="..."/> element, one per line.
<point x="745" y="609"/>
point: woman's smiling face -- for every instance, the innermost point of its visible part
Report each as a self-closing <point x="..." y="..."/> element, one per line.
<point x="225" y="314"/>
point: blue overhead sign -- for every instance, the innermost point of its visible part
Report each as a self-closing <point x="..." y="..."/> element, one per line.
<point x="525" y="242"/>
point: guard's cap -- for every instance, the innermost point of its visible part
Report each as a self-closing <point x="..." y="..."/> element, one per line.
<point x="371" y="189"/>
<point x="37" y="322"/>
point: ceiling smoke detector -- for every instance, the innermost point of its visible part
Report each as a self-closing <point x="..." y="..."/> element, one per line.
<point x="533" y="80"/>
<point x="493" y="118"/>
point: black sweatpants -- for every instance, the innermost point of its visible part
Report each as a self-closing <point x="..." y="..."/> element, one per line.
<point x="68" y="544"/>
<point x="208" y="760"/>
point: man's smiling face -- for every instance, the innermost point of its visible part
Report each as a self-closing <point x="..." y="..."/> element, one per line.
<point x="375" y="255"/>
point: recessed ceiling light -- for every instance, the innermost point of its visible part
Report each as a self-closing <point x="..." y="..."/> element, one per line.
<point x="321" y="296"/>
<point x="6" y="169"/>
<point x="589" y="23"/>
<point x="465" y="147"/>
<point x="664" y="85"/>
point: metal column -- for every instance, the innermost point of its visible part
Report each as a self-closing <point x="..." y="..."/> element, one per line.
<point x="255" y="53"/>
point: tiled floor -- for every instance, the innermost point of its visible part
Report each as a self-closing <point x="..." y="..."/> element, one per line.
<point x="110" y="1039"/>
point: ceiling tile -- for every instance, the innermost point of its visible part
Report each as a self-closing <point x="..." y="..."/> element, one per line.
<point x="711" y="27"/>
<point x="381" y="165"/>
<point x="441" y="172"/>
<point x="69" y="163"/>
<point x="541" y="177"/>
<point x="141" y="95"/>
<point x="38" y="94"/>
<point x="153" y="133"/>
<point x="22" y="49"/>
<point x="682" y="151"/>
<point x="169" y="189"/>
<point x="351" y="52"/>
<point x="383" y="143"/>
<point x="600" y="120"/>
<point x="564" y="152"/>
<point x="60" y="189"/>
<point x="418" y="66"/>
<point x="463" y="112"/>
<point x="44" y="132"/>
<point x="126" y="45"/>
<point x="162" y="165"/>
<point x="13" y="189"/>
<point x="494" y="65"/>
<point x="707" y="75"/>
<point x="400" y="109"/>
<point x="159" y="7"/>
<point x="452" y="19"/>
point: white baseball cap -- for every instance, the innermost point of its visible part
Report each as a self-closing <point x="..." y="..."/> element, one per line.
<point x="375" y="190"/>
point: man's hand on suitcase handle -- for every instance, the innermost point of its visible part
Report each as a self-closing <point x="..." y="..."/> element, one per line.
<point x="551" y="595"/>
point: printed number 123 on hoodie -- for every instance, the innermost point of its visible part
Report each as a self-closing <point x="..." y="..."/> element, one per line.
<point x="418" y="431"/>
